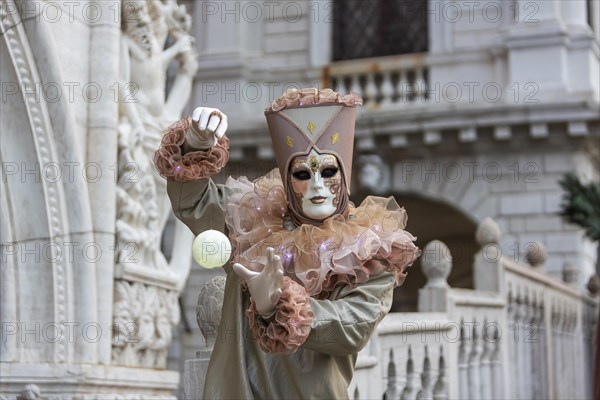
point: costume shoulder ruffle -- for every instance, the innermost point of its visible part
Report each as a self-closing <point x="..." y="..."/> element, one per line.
<point x="338" y="252"/>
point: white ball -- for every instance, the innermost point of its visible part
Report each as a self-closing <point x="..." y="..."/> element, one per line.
<point x="211" y="249"/>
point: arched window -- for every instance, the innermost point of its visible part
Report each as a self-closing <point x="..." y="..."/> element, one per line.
<point x="374" y="28"/>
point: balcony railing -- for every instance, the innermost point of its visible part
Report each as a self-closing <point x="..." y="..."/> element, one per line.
<point x="519" y="334"/>
<point x="395" y="80"/>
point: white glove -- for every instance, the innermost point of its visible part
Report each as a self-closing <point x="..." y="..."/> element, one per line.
<point x="208" y="126"/>
<point x="265" y="286"/>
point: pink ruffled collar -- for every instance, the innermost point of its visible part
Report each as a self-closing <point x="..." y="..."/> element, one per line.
<point x="340" y="251"/>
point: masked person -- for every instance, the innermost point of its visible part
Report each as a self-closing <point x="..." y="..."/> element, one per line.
<point x="311" y="275"/>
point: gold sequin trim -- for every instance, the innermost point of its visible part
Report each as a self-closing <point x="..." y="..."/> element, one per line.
<point x="335" y="138"/>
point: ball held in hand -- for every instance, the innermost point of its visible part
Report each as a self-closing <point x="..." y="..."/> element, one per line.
<point x="211" y="249"/>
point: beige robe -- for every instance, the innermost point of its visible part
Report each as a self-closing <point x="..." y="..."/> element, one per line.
<point x="323" y="366"/>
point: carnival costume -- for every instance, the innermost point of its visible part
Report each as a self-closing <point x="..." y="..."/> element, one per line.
<point x="339" y="272"/>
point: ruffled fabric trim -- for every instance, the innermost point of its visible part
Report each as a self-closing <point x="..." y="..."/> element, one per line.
<point x="295" y="98"/>
<point x="291" y="324"/>
<point x="340" y="251"/>
<point x="194" y="165"/>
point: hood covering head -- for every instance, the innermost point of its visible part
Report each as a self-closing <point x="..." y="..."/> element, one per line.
<point x="307" y="119"/>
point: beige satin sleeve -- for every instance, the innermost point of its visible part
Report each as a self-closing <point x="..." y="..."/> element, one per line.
<point x="200" y="204"/>
<point x="343" y="326"/>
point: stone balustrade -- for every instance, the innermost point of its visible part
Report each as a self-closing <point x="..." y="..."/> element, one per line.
<point x="394" y="80"/>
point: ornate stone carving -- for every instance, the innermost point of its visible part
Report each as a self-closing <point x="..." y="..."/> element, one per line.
<point x="24" y="65"/>
<point x="142" y="208"/>
<point x="155" y="37"/>
<point x="373" y="173"/>
<point x="436" y="263"/>
<point x="144" y="317"/>
<point x="30" y="392"/>
<point x="208" y="311"/>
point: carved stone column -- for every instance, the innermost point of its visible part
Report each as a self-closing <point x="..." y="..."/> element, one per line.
<point x="208" y="313"/>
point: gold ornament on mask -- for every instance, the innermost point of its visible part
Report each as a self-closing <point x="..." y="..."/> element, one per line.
<point x="290" y="142"/>
<point x="311" y="127"/>
<point x="313" y="163"/>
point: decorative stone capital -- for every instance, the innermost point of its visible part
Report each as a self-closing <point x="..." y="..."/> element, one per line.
<point x="488" y="232"/>
<point x="436" y="263"/>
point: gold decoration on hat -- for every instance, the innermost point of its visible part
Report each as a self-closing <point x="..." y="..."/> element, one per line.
<point x="290" y="142"/>
<point x="311" y="127"/>
<point x="335" y="138"/>
<point x="313" y="163"/>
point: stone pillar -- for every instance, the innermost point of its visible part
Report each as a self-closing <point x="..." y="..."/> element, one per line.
<point x="208" y="314"/>
<point x="436" y="262"/>
<point x="488" y="271"/>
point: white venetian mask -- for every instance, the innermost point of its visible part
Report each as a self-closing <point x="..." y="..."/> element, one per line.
<point x="316" y="182"/>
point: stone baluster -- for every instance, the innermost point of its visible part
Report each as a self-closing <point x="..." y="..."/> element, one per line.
<point x="486" y="361"/>
<point x="557" y="350"/>
<point x="440" y="390"/>
<point x="334" y="83"/>
<point x="426" y="392"/>
<point x="342" y="84"/>
<point x="410" y="391"/>
<point x="522" y="327"/>
<point x="387" y="89"/>
<point x="575" y="356"/>
<point x="529" y="338"/>
<point x="463" y="362"/>
<point x="355" y="84"/>
<point x="436" y="263"/>
<point x="402" y="87"/>
<point x="488" y="273"/>
<point x="542" y="346"/>
<point x="537" y="372"/>
<point x="577" y="337"/>
<point x="496" y="366"/>
<point x="420" y="85"/>
<point x="208" y="315"/>
<point x="371" y="89"/>
<point x="513" y="342"/>
<point x="474" y="364"/>
<point x="392" y="392"/>
<point x="569" y="350"/>
<point x="590" y="316"/>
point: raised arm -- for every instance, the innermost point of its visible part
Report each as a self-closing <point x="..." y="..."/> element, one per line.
<point x="194" y="149"/>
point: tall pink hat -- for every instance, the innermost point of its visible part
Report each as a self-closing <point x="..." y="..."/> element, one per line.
<point x="306" y="119"/>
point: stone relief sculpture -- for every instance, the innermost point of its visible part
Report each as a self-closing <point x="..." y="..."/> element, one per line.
<point x="155" y="34"/>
